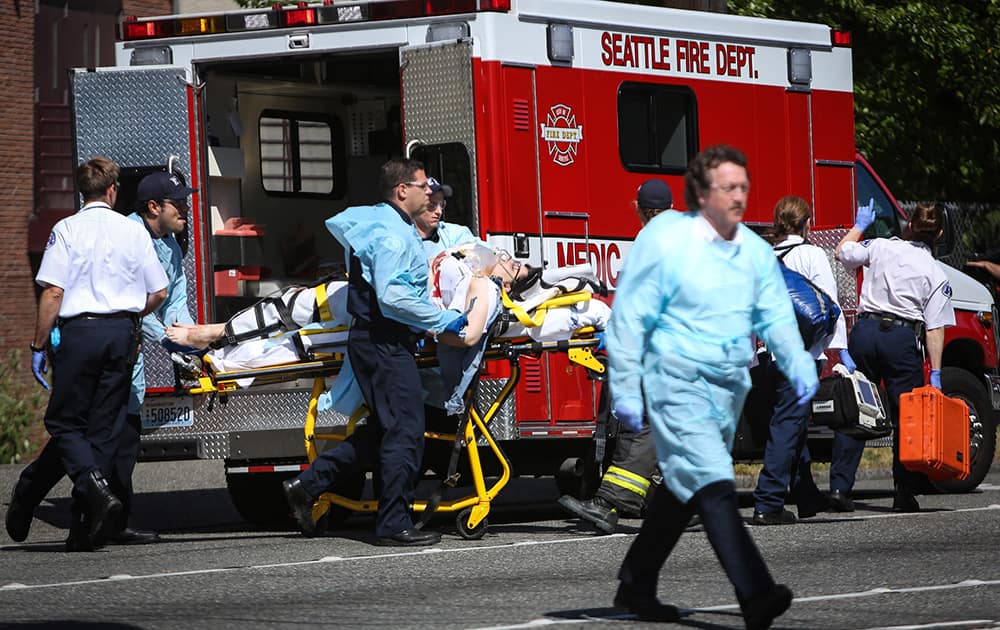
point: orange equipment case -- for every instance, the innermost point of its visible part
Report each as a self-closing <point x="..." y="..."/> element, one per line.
<point x="934" y="434"/>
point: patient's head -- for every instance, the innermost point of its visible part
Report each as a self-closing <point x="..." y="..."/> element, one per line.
<point x="509" y="269"/>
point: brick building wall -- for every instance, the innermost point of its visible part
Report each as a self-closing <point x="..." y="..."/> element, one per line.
<point x="18" y="179"/>
<point x="17" y="184"/>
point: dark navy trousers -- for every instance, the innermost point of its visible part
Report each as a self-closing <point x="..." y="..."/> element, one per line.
<point x="786" y="459"/>
<point x="893" y="356"/>
<point x="91" y="372"/>
<point x="391" y="440"/>
<point x="41" y="475"/>
<point x="666" y="518"/>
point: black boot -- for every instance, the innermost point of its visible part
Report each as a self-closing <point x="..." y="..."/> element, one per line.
<point x="904" y="500"/>
<point x="597" y="512"/>
<point x="302" y="505"/>
<point x="102" y="511"/>
<point x="20" y="511"/>
<point x="761" y="610"/>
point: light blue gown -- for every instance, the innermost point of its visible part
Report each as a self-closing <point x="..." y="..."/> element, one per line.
<point x="393" y="261"/>
<point x="449" y="235"/>
<point x="174" y="309"/>
<point x="679" y="341"/>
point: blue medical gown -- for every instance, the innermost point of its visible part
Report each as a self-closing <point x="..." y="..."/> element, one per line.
<point x="449" y="235"/>
<point x="173" y="310"/>
<point x="392" y="261"/>
<point x="679" y="341"/>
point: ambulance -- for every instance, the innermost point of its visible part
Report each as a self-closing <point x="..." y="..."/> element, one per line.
<point x="544" y="116"/>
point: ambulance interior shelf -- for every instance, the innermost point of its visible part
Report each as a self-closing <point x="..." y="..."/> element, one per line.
<point x="238" y="260"/>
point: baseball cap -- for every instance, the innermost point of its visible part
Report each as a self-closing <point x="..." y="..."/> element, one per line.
<point x="437" y="186"/>
<point x="654" y="193"/>
<point x="162" y="185"/>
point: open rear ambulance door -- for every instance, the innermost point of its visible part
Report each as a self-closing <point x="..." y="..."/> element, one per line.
<point x="145" y="119"/>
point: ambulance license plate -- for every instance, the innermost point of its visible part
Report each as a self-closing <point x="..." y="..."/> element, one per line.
<point x="167" y="411"/>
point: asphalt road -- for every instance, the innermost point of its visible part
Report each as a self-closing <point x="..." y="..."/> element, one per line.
<point x="871" y="569"/>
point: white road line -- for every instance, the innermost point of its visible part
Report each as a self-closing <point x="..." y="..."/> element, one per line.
<point x="875" y="592"/>
<point x="17" y="586"/>
<point x="980" y="623"/>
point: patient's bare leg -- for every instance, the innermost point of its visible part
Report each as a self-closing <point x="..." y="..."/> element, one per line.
<point x="195" y="335"/>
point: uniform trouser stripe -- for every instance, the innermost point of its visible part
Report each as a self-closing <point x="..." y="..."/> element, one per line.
<point x="628" y="480"/>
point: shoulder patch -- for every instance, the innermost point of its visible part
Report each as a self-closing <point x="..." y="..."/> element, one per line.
<point x="866" y="242"/>
<point x="392" y="243"/>
<point x="946" y="289"/>
<point x="51" y="241"/>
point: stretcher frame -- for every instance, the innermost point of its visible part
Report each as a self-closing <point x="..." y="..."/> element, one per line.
<point x="473" y="509"/>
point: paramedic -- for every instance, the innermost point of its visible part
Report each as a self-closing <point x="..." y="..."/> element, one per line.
<point x="436" y="234"/>
<point x="389" y="299"/>
<point x="786" y="456"/>
<point x="626" y="482"/>
<point x="905" y="304"/>
<point x="99" y="275"/>
<point x="161" y="197"/>
<point x="693" y="289"/>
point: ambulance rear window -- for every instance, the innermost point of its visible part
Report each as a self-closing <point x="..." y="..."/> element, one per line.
<point x="657" y="127"/>
<point x="300" y="153"/>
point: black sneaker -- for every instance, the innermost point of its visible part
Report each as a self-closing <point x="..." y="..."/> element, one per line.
<point x="841" y="501"/>
<point x="783" y="517"/>
<point x="596" y="511"/>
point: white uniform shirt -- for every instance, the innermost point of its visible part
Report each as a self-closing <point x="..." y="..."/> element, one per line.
<point x="811" y="262"/>
<point x="902" y="279"/>
<point x="103" y="262"/>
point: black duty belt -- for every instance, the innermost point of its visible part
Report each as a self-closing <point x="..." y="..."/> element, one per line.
<point x="116" y="315"/>
<point x="886" y="320"/>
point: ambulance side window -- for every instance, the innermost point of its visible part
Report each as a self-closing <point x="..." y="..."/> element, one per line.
<point x="301" y="154"/>
<point x="657" y="127"/>
<point x="886" y="219"/>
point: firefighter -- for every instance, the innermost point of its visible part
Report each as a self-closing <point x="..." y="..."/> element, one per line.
<point x="161" y="198"/>
<point x="693" y="289"/>
<point x="436" y="234"/>
<point x="99" y="275"/>
<point x="786" y="456"/>
<point x="905" y="305"/>
<point x="389" y="300"/>
<point x="626" y="482"/>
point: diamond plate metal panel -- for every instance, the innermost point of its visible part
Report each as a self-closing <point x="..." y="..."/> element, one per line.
<point x="503" y="426"/>
<point x="847" y="281"/>
<point x="250" y="411"/>
<point x="137" y="117"/>
<point x="438" y="98"/>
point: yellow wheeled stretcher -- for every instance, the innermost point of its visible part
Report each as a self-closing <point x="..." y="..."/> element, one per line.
<point x="473" y="508"/>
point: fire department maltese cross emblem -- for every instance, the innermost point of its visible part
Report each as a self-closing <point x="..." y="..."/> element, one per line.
<point x="562" y="134"/>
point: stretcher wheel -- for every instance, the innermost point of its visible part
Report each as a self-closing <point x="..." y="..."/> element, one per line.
<point x="462" y="522"/>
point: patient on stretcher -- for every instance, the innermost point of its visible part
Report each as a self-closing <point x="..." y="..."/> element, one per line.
<point x="312" y="322"/>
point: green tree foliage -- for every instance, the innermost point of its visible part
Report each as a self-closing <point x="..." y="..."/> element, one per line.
<point x="21" y="406"/>
<point x="927" y="88"/>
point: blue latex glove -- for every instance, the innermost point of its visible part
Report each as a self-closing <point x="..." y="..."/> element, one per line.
<point x="421" y="343"/>
<point x="602" y="342"/>
<point x="936" y="378"/>
<point x="865" y="216"/>
<point x="38" y="367"/>
<point x="55" y="338"/>
<point x="457" y="325"/>
<point x="848" y="361"/>
<point x="629" y="417"/>
<point x="805" y="391"/>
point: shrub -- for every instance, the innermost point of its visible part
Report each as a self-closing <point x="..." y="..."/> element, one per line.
<point x="21" y="407"/>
